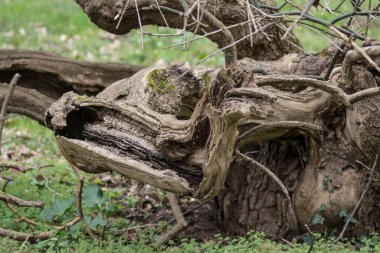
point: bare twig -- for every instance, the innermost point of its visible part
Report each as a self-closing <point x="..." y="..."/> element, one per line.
<point x="306" y="9"/>
<point x="19" y="202"/>
<point x="363" y="94"/>
<point x="79" y="202"/>
<point x="276" y="126"/>
<point x="312" y="238"/>
<point x="21" y="217"/>
<point x="353" y="56"/>
<point x="122" y="14"/>
<point x="189" y="211"/>
<point x="20" y="236"/>
<point x="266" y="170"/>
<point x="274" y="178"/>
<point x="181" y="222"/>
<point x="22" y="168"/>
<point x="3" y="111"/>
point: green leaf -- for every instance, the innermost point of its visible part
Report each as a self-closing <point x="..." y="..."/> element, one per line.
<point x="97" y="221"/>
<point x="318" y="219"/>
<point x="75" y="230"/>
<point x="93" y="196"/>
<point x="323" y="207"/>
<point x="345" y="214"/>
<point x="58" y="208"/>
<point x="39" y="183"/>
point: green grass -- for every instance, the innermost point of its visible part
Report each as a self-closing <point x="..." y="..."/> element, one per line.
<point x="60" y="26"/>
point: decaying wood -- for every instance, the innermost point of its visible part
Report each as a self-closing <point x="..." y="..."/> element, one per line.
<point x="158" y="149"/>
<point x="46" y="77"/>
<point x="180" y="136"/>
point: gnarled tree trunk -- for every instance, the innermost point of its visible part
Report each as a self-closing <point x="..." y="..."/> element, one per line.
<point x="214" y="133"/>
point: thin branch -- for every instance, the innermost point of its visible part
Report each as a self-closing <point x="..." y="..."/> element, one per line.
<point x="355" y="46"/>
<point x="266" y="170"/>
<point x="3" y="111"/>
<point x="79" y="202"/>
<point x="363" y="94"/>
<point x="122" y="14"/>
<point x="361" y="197"/>
<point x="306" y="9"/>
<point x="353" y="56"/>
<point x="19" y="202"/>
<point x="20" y="236"/>
<point x="181" y="222"/>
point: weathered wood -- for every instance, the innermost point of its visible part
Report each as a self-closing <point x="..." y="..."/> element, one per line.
<point x="190" y="156"/>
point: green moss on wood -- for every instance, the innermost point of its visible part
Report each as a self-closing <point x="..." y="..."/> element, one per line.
<point x="206" y="78"/>
<point x="158" y="81"/>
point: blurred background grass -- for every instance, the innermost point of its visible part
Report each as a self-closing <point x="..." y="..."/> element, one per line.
<point x="60" y="26"/>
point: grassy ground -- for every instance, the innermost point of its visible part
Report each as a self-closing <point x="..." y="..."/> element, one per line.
<point x="60" y="26"/>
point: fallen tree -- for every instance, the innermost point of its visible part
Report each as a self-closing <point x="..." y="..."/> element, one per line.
<point x="274" y="137"/>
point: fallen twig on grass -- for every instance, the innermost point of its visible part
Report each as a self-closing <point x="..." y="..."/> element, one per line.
<point x="20" y="236"/>
<point x="79" y="202"/>
<point x="181" y="222"/>
<point x="20" y="202"/>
